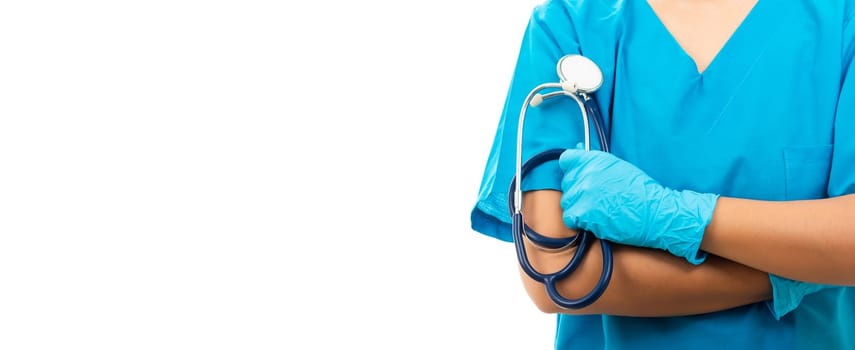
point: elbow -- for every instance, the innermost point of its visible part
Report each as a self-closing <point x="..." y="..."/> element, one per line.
<point x="545" y="304"/>
<point x="537" y="293"/>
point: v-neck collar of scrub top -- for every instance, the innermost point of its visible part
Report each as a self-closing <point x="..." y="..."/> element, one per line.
<point x="710" y="92"/>
<point x="744" y="39"/>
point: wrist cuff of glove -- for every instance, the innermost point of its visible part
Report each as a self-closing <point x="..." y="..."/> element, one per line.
<point x="702" y="205"/>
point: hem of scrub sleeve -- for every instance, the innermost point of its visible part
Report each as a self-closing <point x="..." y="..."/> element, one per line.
<point x="780" y="304"/>
<point x="491" y="216"/>
<point x="485" y="220"/>
<point x="787" y="295"/>
<point x="547" y="176"/>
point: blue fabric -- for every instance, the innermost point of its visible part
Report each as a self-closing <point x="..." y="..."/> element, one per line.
<point x="618" y="202"/>
<point x="771" y="118"/>
<point x="788" y="294"/>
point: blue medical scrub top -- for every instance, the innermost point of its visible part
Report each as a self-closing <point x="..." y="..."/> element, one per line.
<point x="772" y="118"/>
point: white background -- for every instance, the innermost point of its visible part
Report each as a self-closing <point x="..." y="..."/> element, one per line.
<point x="254" y="175"/>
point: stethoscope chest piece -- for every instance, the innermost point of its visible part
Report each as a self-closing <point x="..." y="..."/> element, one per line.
<point x="580" y="72"/>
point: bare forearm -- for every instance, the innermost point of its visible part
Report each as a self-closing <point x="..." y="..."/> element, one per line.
<point x="644" y="282"/>
<point x="811" y="241"/>
<point x="653" y="283"/>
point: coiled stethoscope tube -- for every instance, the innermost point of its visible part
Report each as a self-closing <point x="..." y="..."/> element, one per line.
<point x="586" y="78"/>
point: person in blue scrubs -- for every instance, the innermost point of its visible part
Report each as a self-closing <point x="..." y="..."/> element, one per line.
<point x="729" y="190"/>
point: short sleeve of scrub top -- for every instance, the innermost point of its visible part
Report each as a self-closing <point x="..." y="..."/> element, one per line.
<point x="555" y="124"/>
<point x="770" y="118"/>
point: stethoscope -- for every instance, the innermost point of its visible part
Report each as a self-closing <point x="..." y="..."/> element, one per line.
<point x="579" y="78"/>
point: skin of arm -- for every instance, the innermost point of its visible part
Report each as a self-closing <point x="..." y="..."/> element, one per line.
<point x="645" y="282"/>
<point x="809" y="240"/>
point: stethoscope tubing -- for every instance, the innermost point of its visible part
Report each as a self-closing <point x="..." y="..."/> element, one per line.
<point x="583" y="239"/>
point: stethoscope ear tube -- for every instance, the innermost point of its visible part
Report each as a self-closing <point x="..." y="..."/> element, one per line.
<point x="598" y="125"/>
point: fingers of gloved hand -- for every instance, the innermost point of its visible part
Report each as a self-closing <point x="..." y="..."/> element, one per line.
<point x="605" y="195"/>
<point x="583" y="189"/>
<point x="574" y="158"/>
<point x="582" y="212"/>
<point x="606" y="216"/>
<point x="584" y="170"/>
<point x="571" y="158"/>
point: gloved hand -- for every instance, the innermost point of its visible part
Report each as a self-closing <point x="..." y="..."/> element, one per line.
<point x="620" y="203"/>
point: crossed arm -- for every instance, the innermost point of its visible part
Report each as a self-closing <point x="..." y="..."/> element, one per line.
<point x="803" y="240"/>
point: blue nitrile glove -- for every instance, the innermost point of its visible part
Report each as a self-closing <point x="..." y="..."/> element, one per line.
<point x="620" y="203"/>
